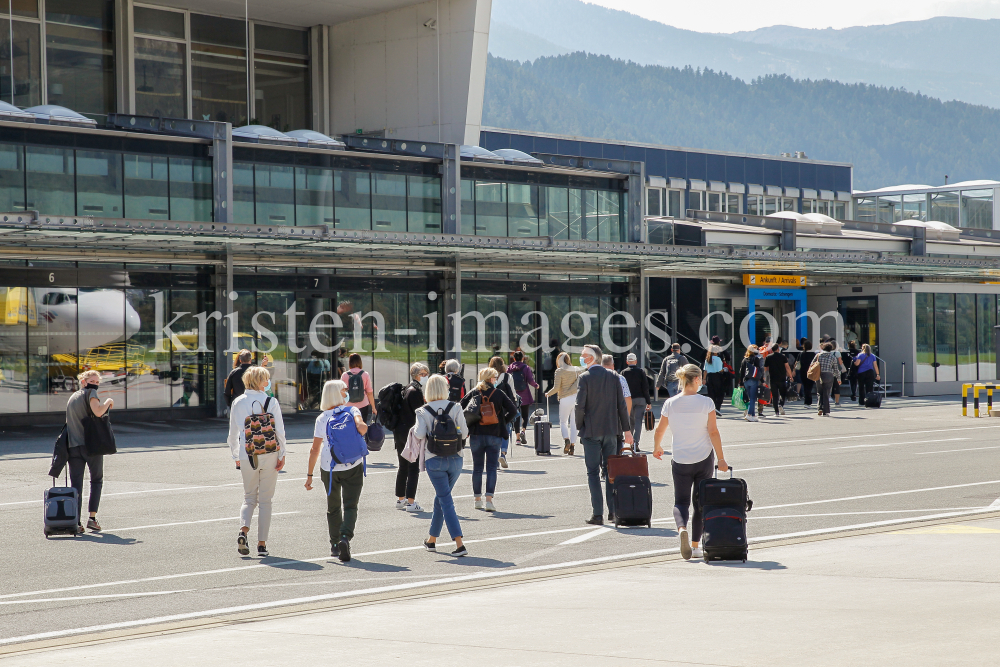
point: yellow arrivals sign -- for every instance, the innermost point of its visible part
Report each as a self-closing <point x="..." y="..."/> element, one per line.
<point x="765" y="280"/>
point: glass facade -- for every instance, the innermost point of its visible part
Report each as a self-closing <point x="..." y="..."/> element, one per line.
<point x="955" y="337"/>
<point x="959" y="208"/>
<point x="105" y="184"/>
<point x="281" y="78"/>
<point x="83" y="84"/>
<point x="25" y="73"/>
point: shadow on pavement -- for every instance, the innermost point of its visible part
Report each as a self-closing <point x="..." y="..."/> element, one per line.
<point x="750" y="564"/>
<point x="109" y="538"/>
<point x="287" y="563"/>
<point x="372" y="567"/>
<point x="514" y="515"/>
<point x="473" y="561"/>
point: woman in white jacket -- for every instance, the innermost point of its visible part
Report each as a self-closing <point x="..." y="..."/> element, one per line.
<point x="260" y="471"/>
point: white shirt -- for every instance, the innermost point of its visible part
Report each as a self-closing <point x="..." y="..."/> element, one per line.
<point x="425" y="420"/>
<point x="624" y="382"/>
<point x="251" y="402"/>
<point x="326" y="458"/>
<point x="687" y="418"/>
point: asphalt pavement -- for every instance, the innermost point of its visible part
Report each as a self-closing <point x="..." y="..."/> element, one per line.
<point x="172" y="498"/>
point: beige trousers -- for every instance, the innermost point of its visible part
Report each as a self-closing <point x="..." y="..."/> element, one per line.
<point x="258" y="489"/>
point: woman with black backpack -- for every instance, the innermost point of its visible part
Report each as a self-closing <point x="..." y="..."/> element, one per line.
<point x="360" y="393"/>
<point x="487" y="410"/>
<point x="441" y="423"/>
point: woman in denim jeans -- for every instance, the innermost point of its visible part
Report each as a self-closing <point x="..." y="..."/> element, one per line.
<point x="488" y="439"/>
<point x="751" y="373"/>
<point x="443" y="471"/>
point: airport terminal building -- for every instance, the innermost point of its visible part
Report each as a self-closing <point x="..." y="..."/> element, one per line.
<point x="151" y="225"/>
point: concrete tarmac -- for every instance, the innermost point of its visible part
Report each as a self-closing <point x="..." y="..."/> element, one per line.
<point x="172" y="496"/>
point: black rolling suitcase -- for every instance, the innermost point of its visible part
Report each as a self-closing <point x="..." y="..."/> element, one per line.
<point x="873" y="399"/>
<point x="61" y="507"/>
<point x="724" y="506"/>
<point x="633" y="496"/>
<point x="543" y="433"/>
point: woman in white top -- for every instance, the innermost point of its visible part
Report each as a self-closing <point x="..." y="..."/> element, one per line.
<point x="443" y="471"/>
<point x="258" y="480"/>
<point x="696" y="443"/>
<point x="342" y="481"/>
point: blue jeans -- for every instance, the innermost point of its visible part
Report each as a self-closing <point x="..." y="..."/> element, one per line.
<point x="595" y="455"/>
<point x="506" y="441"/>
<point x="485" y="450"/>
<point x="751" y="386"/>
<point x="443" y="472"/>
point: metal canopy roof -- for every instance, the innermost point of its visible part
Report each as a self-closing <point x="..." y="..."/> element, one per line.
<point x="191" y="242"/>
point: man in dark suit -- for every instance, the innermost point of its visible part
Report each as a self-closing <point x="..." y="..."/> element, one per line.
<point x="601" y="418"/>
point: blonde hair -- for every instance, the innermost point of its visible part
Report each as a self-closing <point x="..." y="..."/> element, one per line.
<point x="687" y="374"/>
<point x="82" y="377"/>
<point x="485" y="375"/>
<point x="563" y="360"/>
<point x="436" y="389"/>
<point x="333" y="395"/>
<point x="752" y="350"/>
<point x="256" y="377"/>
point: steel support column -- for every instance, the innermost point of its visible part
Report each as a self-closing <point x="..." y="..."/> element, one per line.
<point x="222" y="177"/>
<point x="451" y="190"/>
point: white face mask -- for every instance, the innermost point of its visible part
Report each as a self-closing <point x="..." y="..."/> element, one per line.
<point x="422" y="380"/>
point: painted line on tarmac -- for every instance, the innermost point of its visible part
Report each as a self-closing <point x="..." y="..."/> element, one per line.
<point x="861" y="435"/>
<point x="186" y="523"/>
<point x="546" y="488"/>
<point x="96" y="597"/>
<point x="878" y="495"/>
<point x="893" y="444"/>
<point x="950" y="451"/>
<point x="586" y="536"/>
<point x="478" y="576"/>
<point x="807" y="516"/>
<point x="789" y="465"/>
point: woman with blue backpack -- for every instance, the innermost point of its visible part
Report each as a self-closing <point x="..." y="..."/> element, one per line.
<point x="441" y="424"/>
<point x="339" y="444"/>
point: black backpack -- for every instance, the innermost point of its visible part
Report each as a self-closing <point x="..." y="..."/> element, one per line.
<point x="456" y="387"/>
<point x="390" y="405"/>
<point x="443" y="438"/>
<point x="355" y="387"/>
<point x="520" y="381"/>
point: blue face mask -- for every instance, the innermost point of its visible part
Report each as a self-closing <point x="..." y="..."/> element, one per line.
<point x="268" y="387"/>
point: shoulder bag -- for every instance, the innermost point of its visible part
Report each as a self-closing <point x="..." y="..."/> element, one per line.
<point x="97" y="434"/>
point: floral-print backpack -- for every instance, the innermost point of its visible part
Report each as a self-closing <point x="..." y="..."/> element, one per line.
<point x="258" y="432"/>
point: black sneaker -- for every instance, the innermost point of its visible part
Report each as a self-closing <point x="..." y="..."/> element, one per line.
<point x="241" y="544"/>
<point x="461" y="551"/>
<point x="595" y="520"/>
<point x="611" y="516"/>
<point x="262" y="551"/>
<point x="334" y="551"/>
<point x="430" y="546"/>
<point x="345" y="550"/>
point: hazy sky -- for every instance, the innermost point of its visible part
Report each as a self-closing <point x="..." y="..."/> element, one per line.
<point x="735" y="15"/>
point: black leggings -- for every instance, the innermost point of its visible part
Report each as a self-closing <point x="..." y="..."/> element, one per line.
<point x="407" y="474"/>
<point x="78" y="461"/>
<point x="525" y="413"/>
<point x="686" y="477"/>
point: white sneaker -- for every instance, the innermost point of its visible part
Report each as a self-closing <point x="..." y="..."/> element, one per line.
<point x="414" y="507"/>
<point x="490" y="507"/>
<point x="401" y="504"/>
<point x="479" y="504"/>
<point x="751" y="418"/>
<point x="697" y="553"/>
<point x="781" y="410"/>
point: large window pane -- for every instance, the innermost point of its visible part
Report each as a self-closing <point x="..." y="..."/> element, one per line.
<point x="889" y="209"/>
<point x="218" y="69"/>
<point x="389" y="202"/>
<point x="977" y="209"/>
<point x="556" y="213"/>
<point x="986" y="319"/>
<point x="27" y="8"/>
<point x="18" y="311"/>
<point x="191" y="190"/>
<point x="391" y="366"/>
<point x="274" y="194"/>
<point x="99" y="184"/>
<point x="148" y="371"/>
<point x="589" y="230"/>
<point x="27" y="71"/>
<point x="944" y="207"/>
<point x="468" y="207"/>
<point x="85" y="84"/>
<point x="50" y="180"/>
<point x="11" y="177"/>
<point x="192" y="373"/>
<point x="915" y="207"/>
<point x="313" y="196"/>
<point x="103" y="316"/>
<point x="52" y="351"/>
<point x="281" y="92"/>
<point x="674" y="198"/>
<point x="924" y="322"/>
<point x="424" y="203"/>
<point x="491" y="209"/>
<point x="160" y="77"/>
<point x="146" y="189"/>
<point x="243" y="209"/>
<point x="608" y="218"/>
<point x="944" y="337"/>
<point x="575" y="217"/>
<point x="352" y="199"/>
<point x="965" y="319"/>
<point x="149" y="21"/>
<point x="522" y="210"/>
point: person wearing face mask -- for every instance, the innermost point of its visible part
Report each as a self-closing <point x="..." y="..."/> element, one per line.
<point x="79" y="459"/>
<point x="342" y="481"/>
<point x="408" y="474"/>
<point x="487" y="439"/>
<point x="565" y="384"/>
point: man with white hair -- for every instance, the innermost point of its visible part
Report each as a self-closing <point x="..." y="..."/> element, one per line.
<point x="641" y="398"/>
<point x="601" y="418"/>
<point x="456" y="383"/>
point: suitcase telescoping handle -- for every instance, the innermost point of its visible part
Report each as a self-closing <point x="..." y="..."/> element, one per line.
<point x="730" y="471"/>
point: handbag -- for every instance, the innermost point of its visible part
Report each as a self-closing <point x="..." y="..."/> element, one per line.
<point x="488" y="413"/>
<point x="98" y="436"/>
<point x="738" y="400"/>
<point x="814" y="372"/>
<point x="628" y="463"/>
<point x="374" y="436"/>
<point x="648" y="420"/>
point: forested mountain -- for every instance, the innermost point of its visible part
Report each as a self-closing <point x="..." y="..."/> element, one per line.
<point x="947" y="58"/>
<point x="890" y="135"/>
